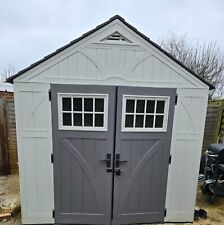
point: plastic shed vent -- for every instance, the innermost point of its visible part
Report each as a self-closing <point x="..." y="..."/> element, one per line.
<point x="116" y="36"/>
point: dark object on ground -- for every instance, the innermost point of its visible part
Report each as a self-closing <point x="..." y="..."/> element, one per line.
<point x="200" y="213"/>
<point x="217" y="149"/>
<point x="213" y="162"/>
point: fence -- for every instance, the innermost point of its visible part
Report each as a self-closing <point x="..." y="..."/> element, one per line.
<point x="214" y="125"/>
<point x="8" y="146"/>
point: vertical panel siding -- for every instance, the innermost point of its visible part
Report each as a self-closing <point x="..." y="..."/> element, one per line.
<point x="34" y="149"/>
<point x="188" y="129"/>
<point x="101" y="63"/>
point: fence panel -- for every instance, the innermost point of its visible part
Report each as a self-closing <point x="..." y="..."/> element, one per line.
<point x="4" y="157"/>
<point x="214" y="125"/>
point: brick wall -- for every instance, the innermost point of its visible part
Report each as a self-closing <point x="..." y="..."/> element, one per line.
<point x="11" y="130"/>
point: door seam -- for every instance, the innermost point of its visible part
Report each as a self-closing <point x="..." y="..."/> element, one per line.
<point x="114" y="146"/>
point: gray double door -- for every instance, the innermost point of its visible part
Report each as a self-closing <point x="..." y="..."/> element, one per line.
<point x="111" y="175"/>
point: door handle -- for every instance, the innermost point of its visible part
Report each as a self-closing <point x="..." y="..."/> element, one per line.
<point x="107" y="160"/>
<point x="118" y="171"/>
<point x="118" y="161"/>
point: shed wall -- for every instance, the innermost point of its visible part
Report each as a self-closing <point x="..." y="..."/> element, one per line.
<point x="33" y="122"/>
<point x="94" y="62"/>
<point x="186" y="145"/>
<point x="35" y="147"/>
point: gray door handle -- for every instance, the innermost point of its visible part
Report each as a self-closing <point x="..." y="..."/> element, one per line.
<point x="118" y="161"/>
<point x="107" y="160"/>
<point x="118" y="171"/>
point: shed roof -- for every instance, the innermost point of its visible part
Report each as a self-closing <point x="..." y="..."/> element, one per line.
<point x="10" y="79"/>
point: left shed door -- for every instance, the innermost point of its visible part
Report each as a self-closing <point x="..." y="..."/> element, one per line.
<point x="82" y="121"/>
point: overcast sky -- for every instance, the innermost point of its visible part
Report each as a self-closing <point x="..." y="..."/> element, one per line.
<point x="31" y="29"/>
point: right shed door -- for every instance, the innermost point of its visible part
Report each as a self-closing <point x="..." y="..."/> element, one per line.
<point x="142" y="150"/>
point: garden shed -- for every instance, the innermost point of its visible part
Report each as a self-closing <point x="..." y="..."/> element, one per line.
<point x="110" y="131"/>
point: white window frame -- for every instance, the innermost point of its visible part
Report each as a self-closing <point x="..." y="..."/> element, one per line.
<point x="83" y="95"/>
<point x="145" y="129"/>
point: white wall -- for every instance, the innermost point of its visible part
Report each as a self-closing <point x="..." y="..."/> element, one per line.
<point x="94" y="62"/>
<point x="186" y="145"/>
<point x="33" y="124"/>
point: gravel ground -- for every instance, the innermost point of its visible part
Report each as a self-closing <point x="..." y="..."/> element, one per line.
<point x="9" y="196"/>
<point x="9" y="193"/>
<point x="13" y="221"/>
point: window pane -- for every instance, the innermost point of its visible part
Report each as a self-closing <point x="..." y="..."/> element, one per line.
<point x="67" y="119"/>
<point x="98" y="120"/>
<point x="99" y="105"/>
<point x="77" y="119"/>
<point x="150" y="106"/>
<point x="77" y="104"/>
<point x="88" y="104"/>
<point x="149" y="121"/>
<point x="130" y="104"/>
<point x="129" y="119"/>
<point x="66" y="104"/>
<point x="160" y="106"/>
<point x="88" y="120"/>
<point x="139" y="121"/>
<point x="140" y="106"/>
<point x="159" y="121"/>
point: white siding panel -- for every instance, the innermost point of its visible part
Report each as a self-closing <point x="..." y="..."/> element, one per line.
<point x="63" y="67"/>
<point x="93" y="41"/>
<point x="52" y="71"/>
<point x="188" y="129"/>
<point x="149" y="68"/>
<point x="33" y="120"/>
<point x="100" y="63"/>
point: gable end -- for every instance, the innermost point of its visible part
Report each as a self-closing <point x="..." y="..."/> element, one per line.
<point x="116" y="37"/>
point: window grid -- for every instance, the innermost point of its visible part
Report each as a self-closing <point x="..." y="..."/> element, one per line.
<point x="72" y="112"/>
<point x="164" y="115"/>
<point x="135" y="106"/>
<point x="94" y="112"/>
<point x="83" y="110"/>
<point x="154" y="116"/>
<point x="144" y="118"/>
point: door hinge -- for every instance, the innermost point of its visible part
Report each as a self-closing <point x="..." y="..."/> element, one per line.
<point x="52" y="158"/>
<point x="165" y="211"/>
<point x="170" y="158"/>
<point x="49" y="94"/>
<point x="53" y="213"/>
<point x="176" y="98"/>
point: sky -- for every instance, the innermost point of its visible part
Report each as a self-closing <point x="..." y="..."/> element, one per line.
<point x="31" y="29"/>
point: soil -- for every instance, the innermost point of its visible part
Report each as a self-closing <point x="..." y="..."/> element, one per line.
<point x="9" y="196"/>
<point x="14" y="221"/>
<point x="215" y="211"/>
<point x="9" y="192"/>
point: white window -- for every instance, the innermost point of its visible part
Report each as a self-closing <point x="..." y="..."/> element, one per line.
<point x="82" y="111"/>
<point x="145" y="113"/>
